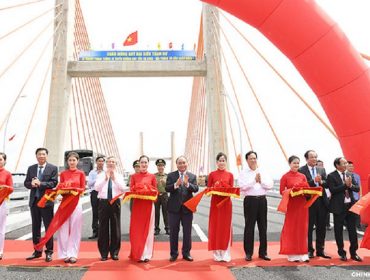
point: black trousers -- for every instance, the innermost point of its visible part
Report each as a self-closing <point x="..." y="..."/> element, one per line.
<point x="186" y="220"/>
<point x="161" y="201"/>
<point x="109" y="234"/>
<point x="317" y="216"/>
<point x="350" y="219"/>
<point x="44" y="215"/>
<point x="255" y="210"/>
<point x="95" y="211"/>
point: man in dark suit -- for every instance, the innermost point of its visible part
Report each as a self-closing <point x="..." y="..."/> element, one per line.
<point x="181" y="185"/>
<point x="316" y="176"/>
<point x="40" y="177"/>
<point x="342" y="185"/>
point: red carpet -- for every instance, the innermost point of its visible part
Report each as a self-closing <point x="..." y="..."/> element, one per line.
<point x="159" y="267"/>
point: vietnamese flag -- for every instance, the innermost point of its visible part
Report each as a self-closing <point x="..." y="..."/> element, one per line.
<point x="131" y="39"/>
<point x="11" y="138"/>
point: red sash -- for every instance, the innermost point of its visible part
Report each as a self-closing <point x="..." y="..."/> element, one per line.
<point x="5" y="191"/>
<point x="314" y="193"/>
<point x="71" y="195"/>
<point x="219" y="188"/>
<point x="140" y="191"/>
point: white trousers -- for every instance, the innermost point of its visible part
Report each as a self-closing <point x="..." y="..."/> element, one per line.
<point x="69" y="235"/>
<point x="149" y="243"/>
<point x="3" y="213"/>
<point x="223" y="255"/>
<point x="300" y="258"/>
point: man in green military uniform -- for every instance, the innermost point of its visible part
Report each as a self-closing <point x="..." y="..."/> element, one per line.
<point x="136" y="166"/>
<point x="162" y="197"/>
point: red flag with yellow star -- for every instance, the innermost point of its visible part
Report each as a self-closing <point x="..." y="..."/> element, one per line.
<point x="131" y="39"/>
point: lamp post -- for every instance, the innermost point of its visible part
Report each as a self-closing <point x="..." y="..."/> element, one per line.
<point x="239" y="127"/>
<point x="7" y="119"/>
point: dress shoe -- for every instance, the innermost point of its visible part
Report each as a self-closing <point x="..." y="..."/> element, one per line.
<point x="66" y="260"/>
<point x="343" y="258"/>
<point x="188" y="258"/>
<point x="115" y="257"/>
<point x="356" y="258"/>
<point x="103" y="259"/>
<point x="48" y="257"/>
<point x="72" y="260"/>
<point x="173" y="258"/>
<point x="265" y="257"/>
<point x="307" y="261"/>
<point x="248" y="258"/>
<point x="156" y="232"/>
<point x="143" y="261"/>
<point x="34" y="255"/>
<point x="323" y="255"/>
<point x="94" y="236"/>
<point x="1" y="256"/>
<point x="310" y="255"/>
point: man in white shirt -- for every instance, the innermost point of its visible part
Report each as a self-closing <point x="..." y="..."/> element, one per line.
<point x="109" y="184"/>
<point x="94" y="194"/>
<point x="254" y="183"/>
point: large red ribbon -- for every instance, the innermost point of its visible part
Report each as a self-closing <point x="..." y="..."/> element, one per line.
<point x="219" y="188"/>
<point x="71" y="195"/>
<point x="313" y="192"/>
<point x="5" y="191"/>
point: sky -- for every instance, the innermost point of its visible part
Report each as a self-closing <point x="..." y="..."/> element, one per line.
<point x="157" y="106"/>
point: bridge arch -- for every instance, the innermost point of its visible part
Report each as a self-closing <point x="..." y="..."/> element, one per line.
<point x="325" y="58"/>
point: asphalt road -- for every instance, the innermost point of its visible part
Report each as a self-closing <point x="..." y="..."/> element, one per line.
<point x="275" y="223"/>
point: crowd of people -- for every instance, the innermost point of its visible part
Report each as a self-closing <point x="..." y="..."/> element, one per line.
<point x="308" y="192"/>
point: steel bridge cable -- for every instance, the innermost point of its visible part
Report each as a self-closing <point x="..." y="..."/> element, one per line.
<point x="38" y="97"/>
<point x="217" y="38"/>
<point x="255" y="95"/>
<point x="10" y="65"/>
<point x="231" y="130"/>
<point x="70" y="132"/>
<point x="82" y="42"/>
<point x="226" y="103"/>
<point x="234" y="92"/>
<point x="329" y="128"/>
<point x="75" y="113"/>
<point x="28" y="22"/>
<point x="24" y="50"/>
<point x="218" y="89"/>
<point x="20" y="5"/>
<point x="83" y="81"/>
<point x="193" y="119"/>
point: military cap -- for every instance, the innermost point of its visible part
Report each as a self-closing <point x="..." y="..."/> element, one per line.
<point x="136" y="163"/>
<point x="160" y="161"/>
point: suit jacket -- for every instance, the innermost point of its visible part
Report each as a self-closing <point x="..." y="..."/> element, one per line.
<point x="320" y="171"/>
<point x="49" y="180"/>
<point x="337" y="188"/>
<point x="180" y="195"/>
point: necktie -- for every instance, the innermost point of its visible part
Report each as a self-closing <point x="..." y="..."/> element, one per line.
<point x="182" y="178"/>
<point x="109" y="189"/>
<point x="313" y="175"/>
<point x="39" y="175"/>
<point x="346" y="193"/>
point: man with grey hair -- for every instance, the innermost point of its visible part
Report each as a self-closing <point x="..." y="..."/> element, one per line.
<point x="109" y="184"/>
